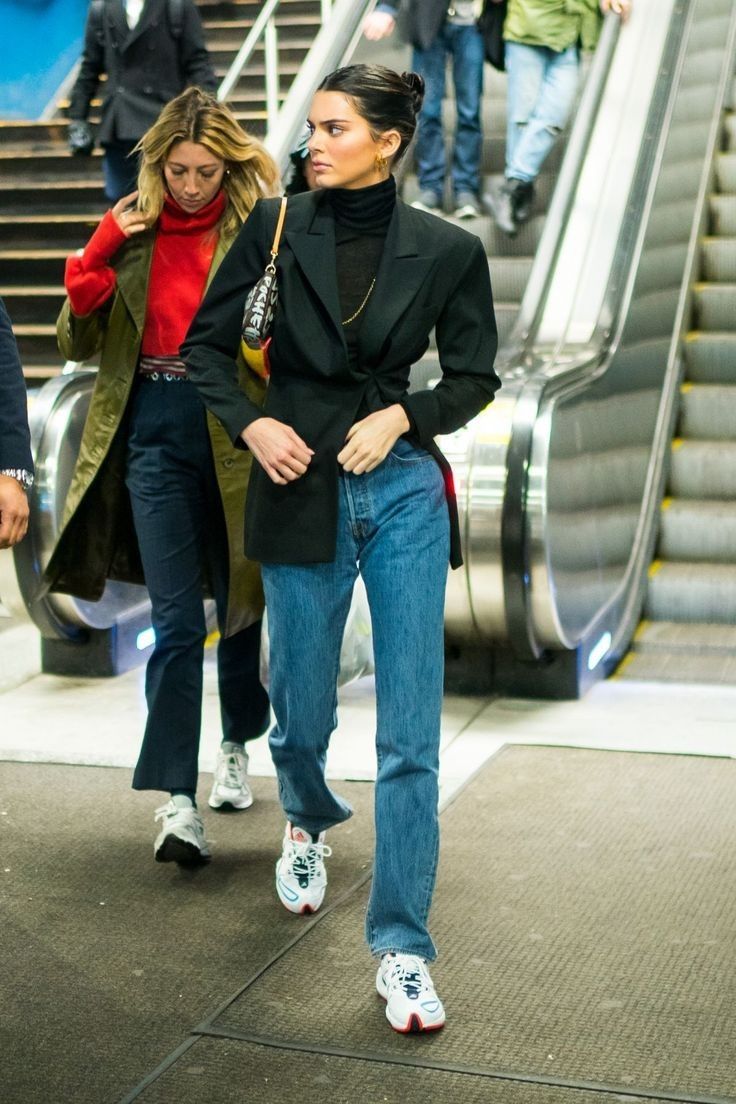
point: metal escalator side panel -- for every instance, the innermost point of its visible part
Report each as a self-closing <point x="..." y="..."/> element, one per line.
<point x="57" y="422"/>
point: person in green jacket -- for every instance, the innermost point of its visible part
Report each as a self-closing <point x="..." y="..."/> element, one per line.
<point x="543" y="40"/>
<point x="158" y="491"/>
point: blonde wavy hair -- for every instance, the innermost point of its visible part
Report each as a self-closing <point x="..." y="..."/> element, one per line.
<point x="196" y="116"/>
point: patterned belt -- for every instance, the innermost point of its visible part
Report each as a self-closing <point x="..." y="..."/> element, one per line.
<point x="169" y="369"/>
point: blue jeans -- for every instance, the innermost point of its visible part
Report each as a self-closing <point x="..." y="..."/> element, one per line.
<point x="540" y="95"/>
<point x="465" y="47"/>
<point x="120" y="170"/>
<point x="392" y="527"/>
<point x="180" y="528"/>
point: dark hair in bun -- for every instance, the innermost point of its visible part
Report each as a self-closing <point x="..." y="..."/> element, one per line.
<point x="415" y="84"/>
<point x="385" y="99"/>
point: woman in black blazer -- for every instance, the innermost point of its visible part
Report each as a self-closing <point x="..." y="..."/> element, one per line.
<point x="349" y="479"/>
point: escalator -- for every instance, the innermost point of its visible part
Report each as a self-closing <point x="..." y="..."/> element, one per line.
<point x="688" y="630"/>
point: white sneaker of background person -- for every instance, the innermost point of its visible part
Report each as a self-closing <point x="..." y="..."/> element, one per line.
<point x="412" y="1003"/>
<point x="301" y="877"/>
<point x="230" y="783"/>
<point x="181" y="838"/>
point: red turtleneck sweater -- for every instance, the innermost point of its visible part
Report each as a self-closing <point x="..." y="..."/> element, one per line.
<point x="182" y="256"/>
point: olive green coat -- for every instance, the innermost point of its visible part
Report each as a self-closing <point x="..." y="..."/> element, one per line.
<point x="97" y="539"/>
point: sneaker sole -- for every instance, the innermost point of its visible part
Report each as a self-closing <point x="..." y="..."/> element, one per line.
<point x="415" y="1026"/>
<point x="178" y="850"/>
<point x="216" y="803"/>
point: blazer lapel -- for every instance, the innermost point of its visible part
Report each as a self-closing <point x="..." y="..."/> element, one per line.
<point x="401" y="273"/>
<point x="313" y="246"/>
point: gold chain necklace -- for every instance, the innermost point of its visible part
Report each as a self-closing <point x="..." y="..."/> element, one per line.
<point x="347" y="321"/>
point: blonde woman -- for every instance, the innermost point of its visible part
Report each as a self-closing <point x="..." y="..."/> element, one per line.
<point x="158" y="490"/>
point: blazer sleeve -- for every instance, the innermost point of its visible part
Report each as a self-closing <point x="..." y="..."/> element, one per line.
<point x="195" y="60"/>
<point x="15" y="438"/>
<point x="91" y="68"/>
<point x="467" y="341"/>
<point x="212" y="343"/>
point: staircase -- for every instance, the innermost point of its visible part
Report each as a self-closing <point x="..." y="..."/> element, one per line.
<point x="689" y="630"/>
<point x="49" y="201"/>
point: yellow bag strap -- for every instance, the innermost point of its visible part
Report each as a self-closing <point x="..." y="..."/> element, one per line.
<point x="277" y="235"/>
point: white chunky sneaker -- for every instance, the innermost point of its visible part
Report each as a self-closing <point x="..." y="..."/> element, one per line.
<point x="181" y="838"/>
<point x="411" y="1001"/>
<point x="230" y="784"/>
<point x="301" y="878"/>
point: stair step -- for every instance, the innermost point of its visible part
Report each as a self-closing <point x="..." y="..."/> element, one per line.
<point x="691" y="592"/>
<point x="289" y="28"/>
<point x="75" y="196"/>
<point x="703" y="469"/>
<point x="715" y="306"/>
<point x="708" y="411"/>
<point x="31" y="305"/>
<point x="707" y="669"/>
<point x="697" y="530"/>
<point x="32" y="266"/>
<point x="710" y="357"/>
<point x="67" y="232"/>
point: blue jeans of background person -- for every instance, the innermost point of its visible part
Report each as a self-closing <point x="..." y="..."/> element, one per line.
<point x="120" y="170"/>
<point x="541" y="90"/>
<point x="393" y="523"/>
<point x="465" y="46"/>
<point x="180" y="528"/>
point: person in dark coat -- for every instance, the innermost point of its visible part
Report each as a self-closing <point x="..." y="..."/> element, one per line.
<point x="349" y="479"/>
<point x="16" y="463"/>
<point x="150" y="51"/>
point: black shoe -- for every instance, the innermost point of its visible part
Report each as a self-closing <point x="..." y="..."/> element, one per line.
<point x="522" y="199"/>
<point x="499" y="203"/>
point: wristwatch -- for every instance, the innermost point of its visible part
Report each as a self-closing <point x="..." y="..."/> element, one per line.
<point x="24" y="477"/>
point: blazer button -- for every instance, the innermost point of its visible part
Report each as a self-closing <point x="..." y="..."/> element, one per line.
<point x="228" y="463"/>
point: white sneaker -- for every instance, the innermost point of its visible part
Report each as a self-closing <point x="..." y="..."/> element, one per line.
<point x="301" y="878"/>
<point x="181" y="838"/>
<point x="411" y="1001"/>
<point x="230" y="784"/>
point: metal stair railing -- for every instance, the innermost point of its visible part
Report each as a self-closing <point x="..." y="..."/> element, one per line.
<point x="264" y="28"/>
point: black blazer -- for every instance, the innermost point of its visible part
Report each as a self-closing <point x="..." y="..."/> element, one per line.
<point x="422" y="18"/>
<point x="146" y="67"/>
<point x="431" y="273"/>
<point x="15" y="440"/>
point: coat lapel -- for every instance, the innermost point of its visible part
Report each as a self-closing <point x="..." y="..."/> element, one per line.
<point x="132" y="276"/>
<point x="313" y="245"/>
<point x="401" y="273"/>
<point x="119" y="22"/>
<point x="150" y="9"/>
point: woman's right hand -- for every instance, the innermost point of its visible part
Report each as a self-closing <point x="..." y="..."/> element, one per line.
<point x="129" y="219"/>
<point x="278" y="449"/>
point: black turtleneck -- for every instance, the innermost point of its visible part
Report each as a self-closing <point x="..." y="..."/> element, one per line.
<point x="362" y="217"/>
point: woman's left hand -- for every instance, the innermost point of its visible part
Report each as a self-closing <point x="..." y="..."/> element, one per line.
<point x="369" y="441"/>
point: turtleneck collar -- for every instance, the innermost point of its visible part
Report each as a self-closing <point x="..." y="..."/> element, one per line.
<point x="364" y="209"/>
<point x="174" y="219"/>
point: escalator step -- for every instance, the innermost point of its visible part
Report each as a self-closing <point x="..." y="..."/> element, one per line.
<point x="719" y="259"/>
<point x="694" y="637"/>
<point x="726" y="172"/>
<point x="715" y="306"/>
<point x="703" y="469"/>
<point x="723" y="214"/>
<point x="710" y="357"/>
<point x="693" y="531"/>
<point x="691" y="592"/>
<point x="708" y="411"/>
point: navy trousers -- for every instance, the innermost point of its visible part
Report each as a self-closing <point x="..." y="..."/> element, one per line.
<point x="179" y="523"/>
